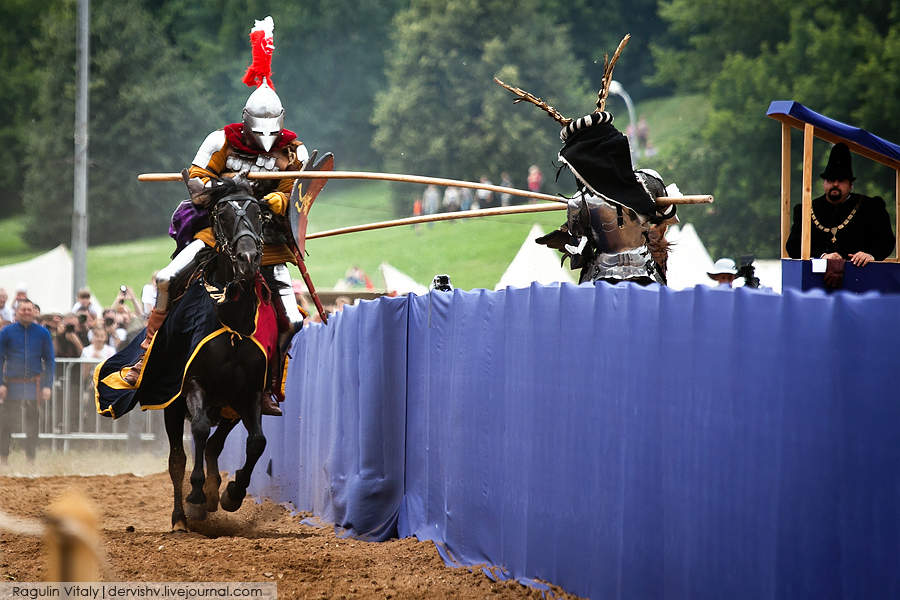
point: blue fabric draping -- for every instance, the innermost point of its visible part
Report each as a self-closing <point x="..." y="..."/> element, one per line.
<point x="621" y="442"/>
<point x="848" y="132"/>
<point x="338" y="449"/>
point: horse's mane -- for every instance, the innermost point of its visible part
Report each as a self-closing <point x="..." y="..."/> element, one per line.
<point x="206" y="259"/>
<point x="222" y="188"/>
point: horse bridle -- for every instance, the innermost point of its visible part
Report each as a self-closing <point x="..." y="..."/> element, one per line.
<point x="243" y="227"/>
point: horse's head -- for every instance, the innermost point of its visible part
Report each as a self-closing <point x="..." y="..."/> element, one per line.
<point x="237" y="225"/>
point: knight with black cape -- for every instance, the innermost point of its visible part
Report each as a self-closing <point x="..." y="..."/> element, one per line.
<point x="614" y="230"/>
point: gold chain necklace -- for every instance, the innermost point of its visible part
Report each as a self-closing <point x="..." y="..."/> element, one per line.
<point x="833" y="230"/>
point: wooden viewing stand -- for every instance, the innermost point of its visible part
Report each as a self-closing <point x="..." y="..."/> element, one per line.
<point x="794" y="115"/>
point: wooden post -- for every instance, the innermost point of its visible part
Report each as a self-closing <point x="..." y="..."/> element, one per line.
<point x="806" y="214"/>
<point x="71" y="539"/>
<point x="897" y="215"/>
<point x="785" y="187"/>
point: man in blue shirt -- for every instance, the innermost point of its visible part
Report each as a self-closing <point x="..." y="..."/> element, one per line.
<point x="27" y="367"/>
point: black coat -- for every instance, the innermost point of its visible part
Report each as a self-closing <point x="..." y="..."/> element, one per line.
<point x="869" y="230"/>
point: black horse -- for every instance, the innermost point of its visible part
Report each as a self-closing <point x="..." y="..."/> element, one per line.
<point x="228" y="372"/>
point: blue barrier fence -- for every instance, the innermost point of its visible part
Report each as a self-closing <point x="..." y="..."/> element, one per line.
<point x="621" y="442"/>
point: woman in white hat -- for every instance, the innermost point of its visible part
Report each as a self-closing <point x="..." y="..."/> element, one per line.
<point x="723" y="272"/>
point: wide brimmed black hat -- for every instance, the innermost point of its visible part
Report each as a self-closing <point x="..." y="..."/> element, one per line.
<point x="839" y="164"/>
<point x="600" y="158"/>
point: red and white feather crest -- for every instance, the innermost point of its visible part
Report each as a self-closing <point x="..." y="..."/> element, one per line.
<point x="262" y="43"/>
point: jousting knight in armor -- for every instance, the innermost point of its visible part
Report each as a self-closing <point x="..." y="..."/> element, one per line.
<point x="614" y="231"/>
<point x="258" y="143"/>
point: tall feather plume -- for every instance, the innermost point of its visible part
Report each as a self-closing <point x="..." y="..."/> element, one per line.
<point x="608" y="66"/>
<point x="522" y="95"/>
<point x="261" y="46"/>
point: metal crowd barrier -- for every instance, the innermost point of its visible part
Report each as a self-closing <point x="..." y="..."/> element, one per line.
<point x="71" y="413"/>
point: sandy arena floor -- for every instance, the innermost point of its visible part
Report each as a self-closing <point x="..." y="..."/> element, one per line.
<point x="259" y="542"/>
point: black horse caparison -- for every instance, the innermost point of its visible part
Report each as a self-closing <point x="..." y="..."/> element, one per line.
<point x="227" y="371"/>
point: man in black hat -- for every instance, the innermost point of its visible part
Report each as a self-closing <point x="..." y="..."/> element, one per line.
<point x="844" y="225"/>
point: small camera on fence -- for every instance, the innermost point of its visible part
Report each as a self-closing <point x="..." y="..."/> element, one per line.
<point x="442" y="283"/>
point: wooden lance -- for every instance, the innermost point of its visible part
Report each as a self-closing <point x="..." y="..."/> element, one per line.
<point x="365" y="175"/>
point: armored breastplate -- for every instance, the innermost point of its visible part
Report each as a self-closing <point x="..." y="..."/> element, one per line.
<point x="244" y="162"/>
<point x="614" y="228"/>
<point x="617" y="237"/>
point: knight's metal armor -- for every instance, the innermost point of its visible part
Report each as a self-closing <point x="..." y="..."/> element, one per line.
<point x="616" y="244"/>
<point x="263" y="116"/>
<point x="609" y="241"/>
<point x="222" y="155"/>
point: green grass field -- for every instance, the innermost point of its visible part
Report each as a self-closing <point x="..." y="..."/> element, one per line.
<point x="474" y="252"/>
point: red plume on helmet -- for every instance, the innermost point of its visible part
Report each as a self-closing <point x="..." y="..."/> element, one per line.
<point x="262" y="42"/>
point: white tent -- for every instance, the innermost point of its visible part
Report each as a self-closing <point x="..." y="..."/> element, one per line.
<point x="397" y="281"/>
<point x="688" y="260"/>
<point x="534" y="262"/>
<point x="47" y="277"/>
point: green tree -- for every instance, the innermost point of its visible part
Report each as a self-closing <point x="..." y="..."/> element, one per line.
<point x="20" y="18"/>
<point x="441" y="113"/>
<point x="142" y="97"/>
<point x="597" y="30"/>
<point x="331" y="62"/>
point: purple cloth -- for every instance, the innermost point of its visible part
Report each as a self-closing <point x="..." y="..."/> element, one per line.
<point x="187" y="220"/>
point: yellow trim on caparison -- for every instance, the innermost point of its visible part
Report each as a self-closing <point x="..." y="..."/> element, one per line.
<point x="106" y="411"/>
<point x="186" y="367"/>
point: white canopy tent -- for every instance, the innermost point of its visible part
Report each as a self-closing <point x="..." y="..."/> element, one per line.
<point x="689" y="260"/>
<point x="397" y="281"/>
<point x="47" y="278"/>
<point x="534" y="262"/>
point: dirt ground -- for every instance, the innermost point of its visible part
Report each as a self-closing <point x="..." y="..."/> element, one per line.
<point x="259" y="542"/>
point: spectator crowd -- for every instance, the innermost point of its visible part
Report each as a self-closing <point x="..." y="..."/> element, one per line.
<point x="31" y="341"/>
<point x="74" y="332"/>
<point x="452" y="199"/>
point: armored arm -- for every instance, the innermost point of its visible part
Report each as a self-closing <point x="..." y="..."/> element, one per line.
<point x="295" y="157"/>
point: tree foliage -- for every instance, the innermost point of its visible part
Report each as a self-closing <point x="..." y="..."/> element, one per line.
<point x="441" y="112"/>
<point x="596" y="30"/>
<point x="133" y="73"/>
<point x="21" y="20"/>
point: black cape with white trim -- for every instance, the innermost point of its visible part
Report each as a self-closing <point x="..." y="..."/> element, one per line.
<point x="600" y="158"/>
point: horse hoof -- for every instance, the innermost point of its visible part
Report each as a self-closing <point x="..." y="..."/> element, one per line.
<point x="195" y="512"/>
<point x="179" y="527"/>
<point x="232" y="497"/>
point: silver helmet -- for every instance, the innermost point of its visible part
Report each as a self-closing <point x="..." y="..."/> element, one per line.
<point x="263" y="116"/>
